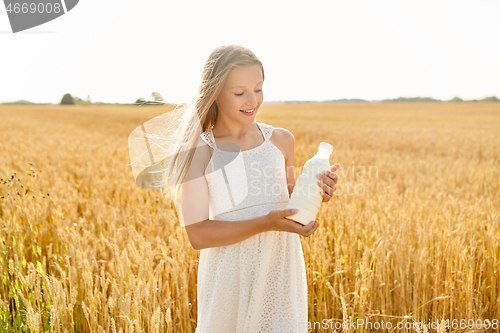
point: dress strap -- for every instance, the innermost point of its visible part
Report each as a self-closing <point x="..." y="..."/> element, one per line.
<point x="209" y="139"/>
<point x="267" y="130"/>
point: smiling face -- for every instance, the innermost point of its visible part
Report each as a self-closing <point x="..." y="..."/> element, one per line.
<point x="242" y="90"/>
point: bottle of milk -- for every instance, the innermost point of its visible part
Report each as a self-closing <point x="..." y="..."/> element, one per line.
<point x="306" y="196"/>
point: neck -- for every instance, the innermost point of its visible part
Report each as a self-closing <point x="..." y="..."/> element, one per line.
<point x="226" y="129"/>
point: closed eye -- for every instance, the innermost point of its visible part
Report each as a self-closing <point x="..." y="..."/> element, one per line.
<point x="242" y="93"/>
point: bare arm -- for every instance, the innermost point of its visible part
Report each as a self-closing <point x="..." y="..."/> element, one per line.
<point x="212" y="233"/>
<point x="287" y="141"/>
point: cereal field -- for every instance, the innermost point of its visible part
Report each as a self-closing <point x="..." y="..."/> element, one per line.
<point x="411" y="235"/>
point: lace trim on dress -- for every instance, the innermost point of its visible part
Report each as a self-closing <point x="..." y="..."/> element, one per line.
<point x="209" y="139"/>
<point x="205" y="136"/>
<point x="267" y="129"/>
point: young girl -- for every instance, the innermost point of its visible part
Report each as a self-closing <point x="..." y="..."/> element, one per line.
<point x="251" y="274"/>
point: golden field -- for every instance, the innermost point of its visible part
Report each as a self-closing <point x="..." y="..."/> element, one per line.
<point x="411" y="235"/>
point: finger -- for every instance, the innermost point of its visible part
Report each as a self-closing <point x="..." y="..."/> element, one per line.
<point x="308" y="226"/>
<point x="326" y="196"/>
<point x="331" y="176"/>
<point x="328" y="177"/>
<point x="329" y="190"/>
<point x="326" y="188"/>
<point x="335" y="167"/>
<point x="334" y="177"/>
<point x="306" y="229"/>
<point x="329" y="181"/>
<point x="313" y="229"/>
<point x="313" y="225"/>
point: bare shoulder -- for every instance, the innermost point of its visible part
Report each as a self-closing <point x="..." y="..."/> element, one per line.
<point x="284" y="135"/>
<point x="200" y="159"/>
<point x="284" y="140"/>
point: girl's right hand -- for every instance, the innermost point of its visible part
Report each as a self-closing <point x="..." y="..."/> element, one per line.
<point x="278" y="222"/>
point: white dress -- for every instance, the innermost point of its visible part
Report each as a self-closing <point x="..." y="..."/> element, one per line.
<point x="258" y="284"/>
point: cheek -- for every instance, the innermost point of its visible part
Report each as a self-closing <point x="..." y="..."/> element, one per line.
<point x="235" y="102"/>
<point x="229" y="102"/>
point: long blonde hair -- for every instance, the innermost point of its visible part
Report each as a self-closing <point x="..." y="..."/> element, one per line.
<point x="200" y="115"/>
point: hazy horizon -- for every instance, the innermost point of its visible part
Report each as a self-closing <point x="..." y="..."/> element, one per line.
<point x="348" y="100"/>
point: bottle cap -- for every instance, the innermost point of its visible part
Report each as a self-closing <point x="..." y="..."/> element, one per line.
<point x="326" y="146"/>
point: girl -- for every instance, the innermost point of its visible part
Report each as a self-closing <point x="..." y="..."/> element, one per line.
<point x="251" y="274"/>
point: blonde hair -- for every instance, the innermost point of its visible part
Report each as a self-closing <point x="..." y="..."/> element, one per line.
<point x="200" y="115"/>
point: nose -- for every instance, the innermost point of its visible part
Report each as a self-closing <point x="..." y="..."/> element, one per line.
<point x="252" y="100"/>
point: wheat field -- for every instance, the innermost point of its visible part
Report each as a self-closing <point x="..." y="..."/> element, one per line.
<point x="411" y="235"/>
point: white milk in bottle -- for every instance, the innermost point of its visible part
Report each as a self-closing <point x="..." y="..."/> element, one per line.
<point x="306" y="196"/>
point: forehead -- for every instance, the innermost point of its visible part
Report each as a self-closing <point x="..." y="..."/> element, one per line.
<point x="248" y="75"/>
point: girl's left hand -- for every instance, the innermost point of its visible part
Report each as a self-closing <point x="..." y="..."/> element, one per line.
<point x="328" y="182"/>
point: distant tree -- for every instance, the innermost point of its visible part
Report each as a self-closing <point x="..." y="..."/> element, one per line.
<point x="456" y="99"/>
<point x="157" y="96"/>
<point x="67" y="99"/>
<point x="490" y="99"/>
<point x="412" y="99"/>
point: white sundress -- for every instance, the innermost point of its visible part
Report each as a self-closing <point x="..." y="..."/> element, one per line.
<point x="258" y="284"/>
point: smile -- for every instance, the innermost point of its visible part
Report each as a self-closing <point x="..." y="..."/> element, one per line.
<point x="248" y="111"/>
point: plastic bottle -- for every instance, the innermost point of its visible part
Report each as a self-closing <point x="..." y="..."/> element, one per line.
<point x="306" y="195"/>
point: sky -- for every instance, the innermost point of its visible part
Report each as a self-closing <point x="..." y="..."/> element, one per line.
<point x="120" y="50"/>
